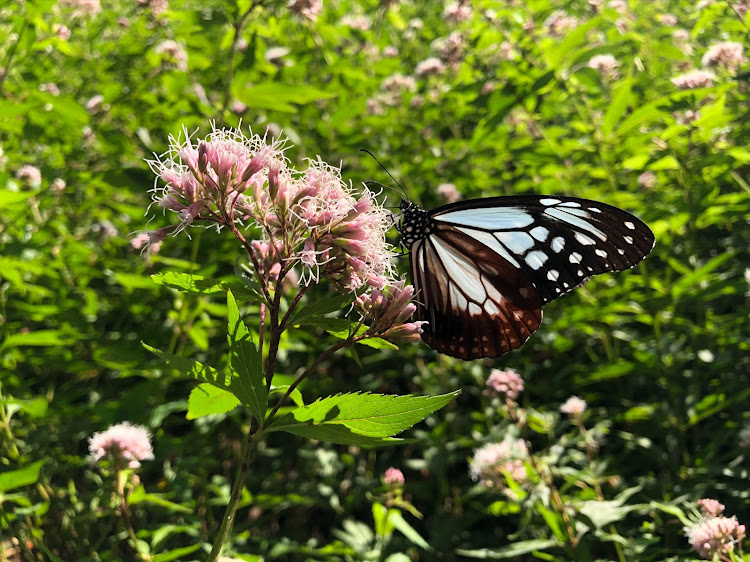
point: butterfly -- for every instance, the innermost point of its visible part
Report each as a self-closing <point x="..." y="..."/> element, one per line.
<point x="482" y="269"/>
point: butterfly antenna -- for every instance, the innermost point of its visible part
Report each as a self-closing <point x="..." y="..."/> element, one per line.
<point x="403" y="191"/>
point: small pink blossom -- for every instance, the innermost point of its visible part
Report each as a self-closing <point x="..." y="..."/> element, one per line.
<point x="574" y="407"/>
<point x="452" y="48"/>
<point x="647" y="180"/>
<point x="84" y="7"/>
<point x="398" y="83"/>
<point x="559" y="23"/>
<point x="493" y="462"/>
<point x="448" y="193"/>
<point x="668" y="19"/>
<point x="58" y="185"/>
<point x="122" y="441"/>
<point x="360" y="22"/>
<point x="94" y="103"/>
<point x="710" y="507"/>
<point x="504" y="383"/>
<point x="430" y="66"/>
<point x="605" y="65"/>
<point x="620" y="6"/>
<point x="309" y="9"/>
<point x="29" y="174"/>
<point x="694" y="79"/>
<point x="62" y="32"/>
<point x="727" y="54"/>
<point x="715" y="536"/>
<point x="457" y="12"/>
<point x="394" y="477"/>
<point x="173" y="53"/>
<point x="390" y="51"/>
<point x="50" y="88"/>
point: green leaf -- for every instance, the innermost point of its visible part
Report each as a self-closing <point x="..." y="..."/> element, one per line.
<point x="203" y="373"/>
<point x="554" y="521"/>
<point x="192" y="283"/>
<point x="206" y="399"/>
<point x="617" y="107"/>
<point x="12" y="479"/>
<point x="40" y="338"/>
<point x="280" y="97"/>
<point x="603" y="513"/>
<point x="343" y="418"/>
<point x="510" y="551"/>
<point x="9" y="198"/>
<point x="397" y="520"/>
<point x="246" y="362"/>
<point x="375" y="343"/>
<point x="311" y="312"/>
<point x="175" y="554"/>
<point x="139" y="495"/>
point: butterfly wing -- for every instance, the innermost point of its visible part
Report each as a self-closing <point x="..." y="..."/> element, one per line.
<point x="485" y="267"/>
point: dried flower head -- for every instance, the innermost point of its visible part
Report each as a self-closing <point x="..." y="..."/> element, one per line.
<point x="574" y="407"/>
<point x="694" y="79"/>
<point x="493" y="462"/>
<point x="124" y="441"/>
<point x="605" y="65"/>
<point x="727" y="54"/>
<point x="394" y="477"/>
<point x="504" y="383"/>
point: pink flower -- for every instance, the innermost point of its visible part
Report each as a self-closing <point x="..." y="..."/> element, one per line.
<point x="84" y="7"/>
<point x="493" y="462"/>
<point x="50" y="88"/>
<point x="668" y="19"/>
<point x="647" y="180"/>
<point x="558" y="23"/>
<point x="122" y="441"/>
<point x="394" y="477"/>
<point x="694" y="79"/>
<point x="452" y="48"/>
<point x="448" y="192"/>
<point x="62" y="32"/>
<point x="710" y="507"/>
<point x="430" y="66"/>
<point x="727" y="54"/>
<point x="360" y="22"/>
<point x="504" y="383"/>
<point x="58" y="185"/>
<point x="29" y="174"/>
<point x="605" y="65"/>
<point x="94" y="103"/>
<point x="574" y="407"/>
<point x="172" y="53"/>
<point x="712" y="536"/>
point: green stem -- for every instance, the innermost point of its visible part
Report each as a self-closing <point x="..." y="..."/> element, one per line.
<point x="237" y="487"/>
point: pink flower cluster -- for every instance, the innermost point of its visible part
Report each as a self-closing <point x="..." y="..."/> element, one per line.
<point x="694" y="79"/>
<point x="494" y="461"/>
<point x="309" y="9"/>
<point x="504" y="383"/>
<point x="714" y="534"/>
<point x="728" y="54"/>
<point x="122" y="441"/>
<point x="394" y="477"/>
<point x="312" y="219"/>
<point x="574" y="407"/>
<point x="605" y="65"/>
<point x="387" y="310"/>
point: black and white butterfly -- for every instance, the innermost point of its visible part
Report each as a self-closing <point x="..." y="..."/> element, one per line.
<point x="483" y="268"/>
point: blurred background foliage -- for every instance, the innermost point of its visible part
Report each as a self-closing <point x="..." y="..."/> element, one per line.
<point x="495" y="97"/>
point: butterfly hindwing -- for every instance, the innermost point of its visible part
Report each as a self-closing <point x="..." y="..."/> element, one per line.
<point x="483" y="308"/>
<point x="483" y="268"/>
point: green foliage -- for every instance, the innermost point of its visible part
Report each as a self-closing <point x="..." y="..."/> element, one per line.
<point x="659" y="353"/>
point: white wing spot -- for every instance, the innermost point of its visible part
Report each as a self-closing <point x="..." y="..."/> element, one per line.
<point x="590" y="268"/>
<point x="601" y="253"/>
<point x="540" y="233"/>
<point x="583" y="239"/>
<point x="575" y="257"/>
<point x="558" y="243"/>
<point x="536" y="259"/>
<point x="557" y="289"/>
<point x="491" y="309"/>
<point x="516" y="242"/>
<point x="579" y="273"/>
<point x="628" y="239"/>
<point x="549" y="201"/>
<point x="621" y="251"/>
<point x="566" y="285"/>
<point x="570" y="204"/>
<point x="595" y="209"/>
<point x="553" y="274"/>
<point x="474" y="310"/>
<point x="630" y="225"/>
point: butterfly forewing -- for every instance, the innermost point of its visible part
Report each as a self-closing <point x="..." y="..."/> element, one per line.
<point x="483" y="269"/>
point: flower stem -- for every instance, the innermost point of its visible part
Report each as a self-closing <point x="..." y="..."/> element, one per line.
<point x="234" y="499"/>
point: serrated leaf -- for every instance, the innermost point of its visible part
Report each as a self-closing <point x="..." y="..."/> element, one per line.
<point x="192" y="283"/>
<point x="246" y="362"/>
<point x="311" y="313"/>
<point x="346" y="417"/>
<point x="203" y="373"/>
<point x="11" y="479"/>
<point x="206" y="399"/>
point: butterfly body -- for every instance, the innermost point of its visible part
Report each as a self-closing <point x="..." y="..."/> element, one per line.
<point x="483" y="268"/>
